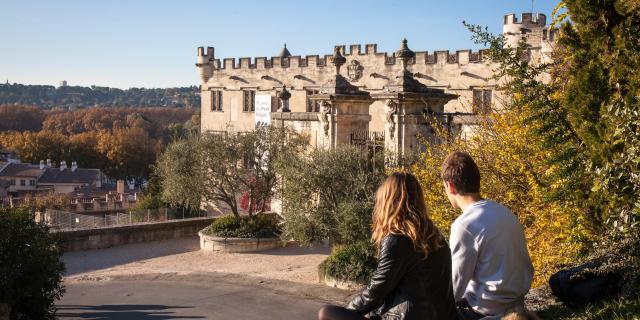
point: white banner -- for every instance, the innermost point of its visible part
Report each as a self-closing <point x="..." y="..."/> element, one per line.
<point x="263" y="110"/>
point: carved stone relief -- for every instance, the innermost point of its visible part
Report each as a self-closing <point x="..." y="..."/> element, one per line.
<point x="392" y="109"/>
<point x="354" y="70"/>
<point x="324" y="116"/>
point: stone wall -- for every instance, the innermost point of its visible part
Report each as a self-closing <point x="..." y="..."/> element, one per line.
<point x="98" y="238"/>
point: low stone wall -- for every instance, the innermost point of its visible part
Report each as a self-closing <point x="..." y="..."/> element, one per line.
<point x="235" y="245"/>
<point x="336" y="283"/>
<point x="98" y="238"/>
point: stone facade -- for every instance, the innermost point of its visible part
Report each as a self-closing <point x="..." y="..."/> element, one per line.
<point x="358" y="89"/>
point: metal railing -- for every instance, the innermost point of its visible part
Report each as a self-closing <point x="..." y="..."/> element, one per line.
<point x="58" y="219"/>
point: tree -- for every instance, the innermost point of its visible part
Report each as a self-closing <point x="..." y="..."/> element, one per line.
<point x="20" y="118"/>
<point x="329" y="194"/>
<point x="129" y="152"/>
<point x="31" y="266"/>
<point x="598" y="59"/>
<point x="218" y="168"/>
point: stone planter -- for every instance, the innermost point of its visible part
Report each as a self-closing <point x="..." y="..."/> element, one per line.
<point x="336" y="283"/>
<point x="213" y="244"/>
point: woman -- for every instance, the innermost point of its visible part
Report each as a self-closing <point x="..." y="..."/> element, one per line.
<point x="413" y="276"/>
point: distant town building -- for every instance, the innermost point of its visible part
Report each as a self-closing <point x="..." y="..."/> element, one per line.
<point x="63" y="83"/>
<point x="25" y="178"/>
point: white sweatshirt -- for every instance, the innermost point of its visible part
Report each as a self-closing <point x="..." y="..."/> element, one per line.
<point x="491" y="267"/>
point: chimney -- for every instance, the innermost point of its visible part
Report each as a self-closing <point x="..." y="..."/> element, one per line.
<point x="48" y="163"/>
<point x="63" y="165"/>
<point x="74" y="166"/>
<point x="120" y="186"/>
<point x="41" y="164"/>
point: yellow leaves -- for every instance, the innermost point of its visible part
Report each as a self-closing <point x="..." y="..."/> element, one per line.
<point x="514" y="172"/>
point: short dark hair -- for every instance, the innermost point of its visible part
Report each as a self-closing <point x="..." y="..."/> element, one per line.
<point x="460" y="169"/>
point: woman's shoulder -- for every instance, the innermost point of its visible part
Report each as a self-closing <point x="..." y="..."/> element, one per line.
<point x="396" y="240"/>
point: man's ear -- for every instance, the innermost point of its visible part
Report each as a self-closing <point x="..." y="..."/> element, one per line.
<point x="451" y="188"/>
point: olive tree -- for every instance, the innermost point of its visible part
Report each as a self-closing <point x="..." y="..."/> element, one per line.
<point x="219" y="167"/>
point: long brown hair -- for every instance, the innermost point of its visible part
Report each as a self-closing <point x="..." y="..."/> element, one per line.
<point x="400" y="209"/>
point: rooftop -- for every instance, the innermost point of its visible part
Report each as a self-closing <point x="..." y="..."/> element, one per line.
<point x="55" y="175"/>
<point x="21" y="170"/>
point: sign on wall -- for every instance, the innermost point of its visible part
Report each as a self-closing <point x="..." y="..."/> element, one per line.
<point x="262" y="110"/>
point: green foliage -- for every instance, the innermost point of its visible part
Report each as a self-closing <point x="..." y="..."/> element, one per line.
<point x="30" y="266"/>
<point x="257" y="226"/>
<point x="322" y="189"/>
<point x="352" y="262"/>
<point x="218" y="168"/>
<point x="76" y="96"/>
<point x="599" y="59"/>
<point x="583" y="110"/>
<point x="152" y="197"/>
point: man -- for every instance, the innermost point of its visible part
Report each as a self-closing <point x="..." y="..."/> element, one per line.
<point x="491" y="267"/>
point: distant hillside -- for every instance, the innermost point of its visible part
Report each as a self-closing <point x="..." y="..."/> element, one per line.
<point x="74" y="97"/>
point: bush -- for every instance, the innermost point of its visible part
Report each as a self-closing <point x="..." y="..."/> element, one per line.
<point x="258" y="226"/>
<point x="329" y="194"/>
<point x="30" y="266"/>
<point x="352" y="262"/>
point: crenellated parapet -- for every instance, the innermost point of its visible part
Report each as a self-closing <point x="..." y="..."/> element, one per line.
<point x="207" y="63"/>
<point x="530" y="27"/>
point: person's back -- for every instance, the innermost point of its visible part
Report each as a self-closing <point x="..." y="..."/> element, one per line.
<point x="412" y="279"/>
<point x="491" y="267"/>
<point x="501" y="271"/>
<point x="423" y="289"/>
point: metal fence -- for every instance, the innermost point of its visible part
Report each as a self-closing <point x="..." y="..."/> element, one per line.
<point x="58" y="219"/>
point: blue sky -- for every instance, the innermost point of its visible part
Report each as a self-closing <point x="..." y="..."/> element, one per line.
<point x="144" y="43"/>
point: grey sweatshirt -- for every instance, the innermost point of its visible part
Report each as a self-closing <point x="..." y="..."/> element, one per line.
<point x="491" y="267"/>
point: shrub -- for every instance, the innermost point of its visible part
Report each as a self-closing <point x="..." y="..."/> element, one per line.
<point x="30" y="266"/>
<point x="352" y="262"/>
<point x="329" y="194"/>
<point x="258" y="226"/>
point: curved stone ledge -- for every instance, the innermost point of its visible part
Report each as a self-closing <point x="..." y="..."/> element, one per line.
<point x="213" y="244"/>
<point x="336" y="283"/>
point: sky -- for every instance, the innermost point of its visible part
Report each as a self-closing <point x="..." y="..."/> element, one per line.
<point x="153" y="43"/>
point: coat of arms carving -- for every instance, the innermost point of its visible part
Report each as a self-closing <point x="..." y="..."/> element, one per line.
<point x="354" y="70"/>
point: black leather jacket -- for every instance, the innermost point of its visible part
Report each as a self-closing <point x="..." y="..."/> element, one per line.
<point x="405" y="286"/>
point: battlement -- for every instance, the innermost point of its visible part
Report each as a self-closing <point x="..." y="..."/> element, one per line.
<point x="527" y="19"/>
<point x="320" y="61"/>
<point x="549" y="34"/>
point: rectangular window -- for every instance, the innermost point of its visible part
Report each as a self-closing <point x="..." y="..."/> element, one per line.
<point x="313" y="106"/>
<point x="216" y="100"/>
<point x="23" y="182"/>
<point x="249" y="104"/>
<point x="32" y="182"/>
<point x="482" y="100"/>
<point x="12" y="182"/>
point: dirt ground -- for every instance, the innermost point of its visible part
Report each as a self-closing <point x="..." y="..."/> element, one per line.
<point x="183" y="257"/>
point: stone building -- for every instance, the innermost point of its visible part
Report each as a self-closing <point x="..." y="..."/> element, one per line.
<point x="358" y="93"/>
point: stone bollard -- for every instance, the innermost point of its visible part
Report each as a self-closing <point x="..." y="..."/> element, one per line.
<point x="5" y="311"/>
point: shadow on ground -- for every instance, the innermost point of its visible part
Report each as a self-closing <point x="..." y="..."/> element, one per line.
<point x="294" y="249"/>
<point x="91" y="260"/>
<point x="124" y="311"/>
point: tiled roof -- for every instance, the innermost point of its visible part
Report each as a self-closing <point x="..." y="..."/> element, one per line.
<point x="21" y="170"/>
<point x="55" y="175"/>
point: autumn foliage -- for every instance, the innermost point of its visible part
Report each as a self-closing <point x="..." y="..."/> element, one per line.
<point x="123" y="142"/>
